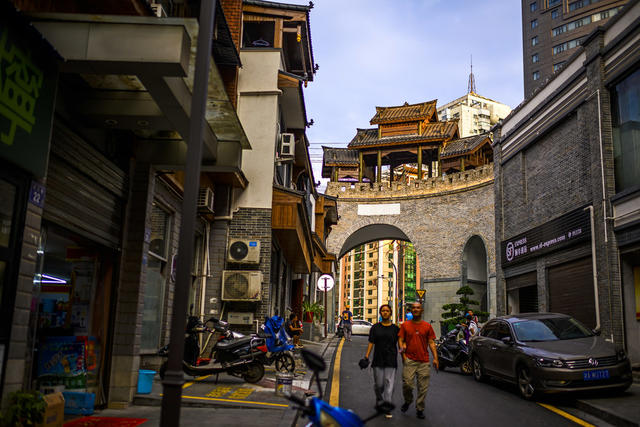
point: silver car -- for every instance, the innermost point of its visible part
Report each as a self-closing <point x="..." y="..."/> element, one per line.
<point x="360" y="327"/>
<point x="548" y="353"/>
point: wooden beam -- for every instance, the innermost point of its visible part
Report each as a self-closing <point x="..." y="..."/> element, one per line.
<point x="379" y="171"/>
<point x="439" y="172"/>
<point x="419" y="162"/>
<point x="361" y="168"/>
<point x="430" y="163"/>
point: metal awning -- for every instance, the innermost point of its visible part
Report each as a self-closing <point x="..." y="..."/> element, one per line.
<point x="139" y="72"/>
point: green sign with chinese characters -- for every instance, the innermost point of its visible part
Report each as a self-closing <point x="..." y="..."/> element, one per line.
<point x="28" y="78"/>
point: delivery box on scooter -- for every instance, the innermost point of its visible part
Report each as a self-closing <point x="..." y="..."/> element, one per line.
<point x="54" y="413"/>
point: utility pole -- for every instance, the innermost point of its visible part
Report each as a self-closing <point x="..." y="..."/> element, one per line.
<point x="174" y="378"/>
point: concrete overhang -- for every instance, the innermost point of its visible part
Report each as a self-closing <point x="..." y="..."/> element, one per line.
<point x="292" y="100"/>
<point x="140" y="73"/>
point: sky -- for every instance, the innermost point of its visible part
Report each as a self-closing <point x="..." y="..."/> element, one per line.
<point x="385" y="52"/>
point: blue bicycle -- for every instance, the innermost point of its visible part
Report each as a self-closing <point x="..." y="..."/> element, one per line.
<point x="319" y="412"/>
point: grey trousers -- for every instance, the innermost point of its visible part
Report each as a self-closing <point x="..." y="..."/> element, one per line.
<point x="346" y="327"/>
<point x="384" y="380"/>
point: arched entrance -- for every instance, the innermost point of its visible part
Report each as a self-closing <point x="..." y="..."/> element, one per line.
<point x="474" y="270"/>
<point x="378" y="265"/>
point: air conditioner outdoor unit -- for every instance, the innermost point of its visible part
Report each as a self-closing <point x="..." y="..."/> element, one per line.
<point x="244" y="251"/>
<point x="287" y="145"/>
<point x="241" y="285"/>
<point x="205" y="200"/>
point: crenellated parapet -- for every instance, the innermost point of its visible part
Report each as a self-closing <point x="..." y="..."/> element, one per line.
<point x="455" y="182"/>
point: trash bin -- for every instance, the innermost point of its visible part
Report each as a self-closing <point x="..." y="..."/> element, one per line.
<point x="145" y="381"/>
<point x="284" y="381"/>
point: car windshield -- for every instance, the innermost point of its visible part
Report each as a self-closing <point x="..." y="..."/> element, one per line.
<point x="557" y="328"/>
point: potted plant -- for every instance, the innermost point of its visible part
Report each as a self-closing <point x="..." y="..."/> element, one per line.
<point x="25" y="408"/>
<point x="312" y="310"/>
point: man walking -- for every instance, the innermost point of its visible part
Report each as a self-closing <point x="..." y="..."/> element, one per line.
<point x="383" y="336"/>
<point x="416" y="337"/>
<point x="347" y="317"/>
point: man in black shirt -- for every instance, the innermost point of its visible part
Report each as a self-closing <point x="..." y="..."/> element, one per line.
<point x="384" y="337"/>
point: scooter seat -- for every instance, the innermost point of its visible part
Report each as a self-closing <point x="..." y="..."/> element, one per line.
<point x="229" y="344"/>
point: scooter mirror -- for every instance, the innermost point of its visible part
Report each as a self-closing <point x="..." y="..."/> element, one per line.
<point x="313" y="361"/>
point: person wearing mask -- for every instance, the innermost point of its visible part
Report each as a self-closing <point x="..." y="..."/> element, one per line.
<point x="383" y="340"/>
<point x="416" y="338"/>
<point x="346" y="321"/>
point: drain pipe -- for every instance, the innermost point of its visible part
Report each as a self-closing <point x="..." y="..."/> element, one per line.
<point x="593" y="262"/>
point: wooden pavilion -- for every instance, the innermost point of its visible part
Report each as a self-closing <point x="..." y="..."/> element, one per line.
<point x="408" y="137"/>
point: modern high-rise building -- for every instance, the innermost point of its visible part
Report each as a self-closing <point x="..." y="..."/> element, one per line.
<point x="475" y="114"/>
<point x="553" y="29"/>
<point x="376" y="273"/>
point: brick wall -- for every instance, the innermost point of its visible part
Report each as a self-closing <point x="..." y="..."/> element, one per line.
<point x="253" y="223"/>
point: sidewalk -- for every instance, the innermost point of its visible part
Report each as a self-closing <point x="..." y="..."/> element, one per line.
<point x="622" y="410"/>
<point x="229" y="401"/>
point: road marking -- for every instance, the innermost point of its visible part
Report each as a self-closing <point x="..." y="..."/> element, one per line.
<point x="241" y="393"/>
<point x="335" y="378"/>
<point x="190" y="383"/>
<point x="566" y="415"/>
<point x="219" y="391"/>
<point x="280" y="405"/>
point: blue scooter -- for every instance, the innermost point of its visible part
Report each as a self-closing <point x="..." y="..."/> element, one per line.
<point x="319" y="412"/>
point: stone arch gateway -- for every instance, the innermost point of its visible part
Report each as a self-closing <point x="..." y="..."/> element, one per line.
<point x="438" y="215"/>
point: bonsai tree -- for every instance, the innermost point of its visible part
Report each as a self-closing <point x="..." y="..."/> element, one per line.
<point x="454" y="312"/>
<point x="25" y="408"/>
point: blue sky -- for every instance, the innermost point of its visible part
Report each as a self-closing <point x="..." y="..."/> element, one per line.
<point x="385" y="52"/>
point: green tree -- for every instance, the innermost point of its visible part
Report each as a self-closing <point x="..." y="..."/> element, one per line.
<point x="454" y="312"/>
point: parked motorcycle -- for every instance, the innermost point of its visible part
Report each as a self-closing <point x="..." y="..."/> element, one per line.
<point x="277" y="342"/>
<point x="319" y="412"/>
<point x="235" y="355"/>
<point x="453" y="350"/>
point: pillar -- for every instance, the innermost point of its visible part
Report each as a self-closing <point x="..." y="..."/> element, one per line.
<point x="379" y="170"/>
<point x="361" y="167"/>
<point x="419" y="162"/>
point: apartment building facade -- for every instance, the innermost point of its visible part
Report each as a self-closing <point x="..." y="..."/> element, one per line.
<point x="553" y="29"/>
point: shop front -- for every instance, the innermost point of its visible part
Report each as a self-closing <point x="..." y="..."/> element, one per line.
<point x="549" y="268"/>
<point x="77" y="267"/>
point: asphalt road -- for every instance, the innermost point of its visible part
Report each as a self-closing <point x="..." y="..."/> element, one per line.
<point x="453" y="399"/>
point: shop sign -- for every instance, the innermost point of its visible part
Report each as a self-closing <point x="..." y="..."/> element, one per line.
<point x="567" y="230"/>
<point x="28" y="78"/>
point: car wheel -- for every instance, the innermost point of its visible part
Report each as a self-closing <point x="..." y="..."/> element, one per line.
<point x="525" y="383"/>
<point x="466" y="368"/>
<point x="285" y="363"/>
<point x="478" y="370"/>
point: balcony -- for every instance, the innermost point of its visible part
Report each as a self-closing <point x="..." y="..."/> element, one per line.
<point x="290" y="224"/>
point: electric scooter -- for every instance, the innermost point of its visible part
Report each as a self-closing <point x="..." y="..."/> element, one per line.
<point x="238" y="356"/>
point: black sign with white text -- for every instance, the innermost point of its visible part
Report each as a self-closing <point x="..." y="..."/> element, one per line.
<point x="566" y="230"/>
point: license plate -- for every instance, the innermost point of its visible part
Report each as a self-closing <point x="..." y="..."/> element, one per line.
<point x="599" y="374"/>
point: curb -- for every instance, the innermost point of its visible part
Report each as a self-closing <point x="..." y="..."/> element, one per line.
<point x="604" y="414"/>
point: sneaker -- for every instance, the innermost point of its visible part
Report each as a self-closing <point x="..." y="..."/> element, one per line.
<point x="420" y="414"/>
<point x="388" y="415"/>
<point x="405" y="407"/>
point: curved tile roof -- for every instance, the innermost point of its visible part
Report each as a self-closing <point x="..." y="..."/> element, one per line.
<point x="431" y="132"/>
<point x="464" y="145"/>
<point x="405" y="112"/>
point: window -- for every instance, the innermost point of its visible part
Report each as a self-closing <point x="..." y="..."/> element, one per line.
<point x="536" y="75"/>
<point x="626" y="132"/>
<point x="534" y="41"/>
<point x="554" y="2"/>
<point x="258" y="33"/>
<point x="369" y="311"/>
<point x="154" y="290"/>
<point x="369" y="301"/>
<point x="503" y="331"/>
<point x="555" y="13"/>
<point x="533" y="6"/>
<point x="534" y="24"/>
<point x="369" y="292"/>
<point x="566" y="46"/>
<point x="558" y="30"/>
<point x="557" y="66"/>
<point x="535" y="58"/>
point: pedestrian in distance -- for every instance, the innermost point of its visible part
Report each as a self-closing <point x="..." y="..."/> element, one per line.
<point x="383" y="340"/>
<point x="294" y="329"/>
<point x="416" y="337"/>
<point x="346" y="321"/>
<point x="472" y="323"/>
